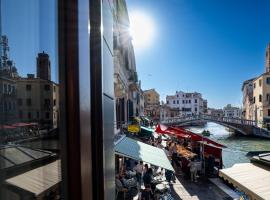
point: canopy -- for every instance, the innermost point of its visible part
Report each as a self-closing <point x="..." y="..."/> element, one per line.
<point x="22" y="124"/>
<point x="140" y="151"/>
<point x="250" y="178"/>
<point x="170" y="131"/>
<point x="146" y="131"/>
<point x="6" y="127"/>
<point x="180" y="132"/>
<point x="39" y="180"/>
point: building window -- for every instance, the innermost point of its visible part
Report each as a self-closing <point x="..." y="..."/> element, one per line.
<point x="47" y="87"/>
<point x="177" y="96"/>
<point x="260" y="98"/>
<point x="268" y="112"/>
<point x="28" y="87"/>
<point x="173" y="101"/>
<point x="54" y="102"/>
<point x="260" y="82"/>
<point x="37" y="114"/>
<point x="183" y="101"/>
<point x="254" y="99"/>
<point x="54" y="88"/>
<point x="254" y="85"/>
<point x="167" y="102"/>
<point x="20" y="102"/>
<point x="28" y="102"/>
<point x="195" y="109"/>
<point x="195" y="100"/>
<point x="177" y="101"/>
<point x="189" y="101"/>
<point x="268" y="80"/>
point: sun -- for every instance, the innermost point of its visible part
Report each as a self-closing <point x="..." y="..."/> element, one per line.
<point x="141" y="29"/>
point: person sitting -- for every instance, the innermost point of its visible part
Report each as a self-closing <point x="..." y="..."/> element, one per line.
<point x="120" y="187"/>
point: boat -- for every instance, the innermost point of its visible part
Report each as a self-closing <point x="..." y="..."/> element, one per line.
<point x="206" y="133"/>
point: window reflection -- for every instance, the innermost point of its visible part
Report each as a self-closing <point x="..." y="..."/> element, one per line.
<point x="29" y="100"/>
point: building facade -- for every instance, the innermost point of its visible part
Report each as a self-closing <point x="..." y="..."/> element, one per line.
<point x="167" y="112"/>
<point x="126" y="86"/>
<point x="152" y="104"/>
<point x="151" y="97"/>
<point x="38" y="101"/>
<point x="215" y="112"/>
<point x="8" y="100"/>
<point x="247" y="91"/>
<point x="187" y="103"/>
<point x="232" y="112"/>
<point x="256" y="95"/>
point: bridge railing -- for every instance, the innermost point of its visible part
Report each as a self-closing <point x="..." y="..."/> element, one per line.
<point x="209" y="117"/>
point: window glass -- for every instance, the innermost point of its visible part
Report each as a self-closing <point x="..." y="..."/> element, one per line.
<point x="29" y="134"/>
<point x="268" y="80"/>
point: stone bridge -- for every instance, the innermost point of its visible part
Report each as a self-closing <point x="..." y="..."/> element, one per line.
<point x="246" y="127"/>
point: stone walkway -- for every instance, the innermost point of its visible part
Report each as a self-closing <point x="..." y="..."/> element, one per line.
<point x="184" y="189"/>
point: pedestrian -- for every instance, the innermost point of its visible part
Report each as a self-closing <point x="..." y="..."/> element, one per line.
<point x="139" y="171"/>
<point x="147" y="193"/>
<point x="148" y="177"/>
<point x="145" y="168"/>
<point x="168" y="175"/>
<point x="193" y="170"/>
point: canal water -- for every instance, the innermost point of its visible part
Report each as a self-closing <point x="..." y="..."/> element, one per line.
<point x="237" y="145"/>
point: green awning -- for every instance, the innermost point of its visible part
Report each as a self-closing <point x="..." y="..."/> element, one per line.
<point x="146" y="131"/>
<point x="140" y="151"/>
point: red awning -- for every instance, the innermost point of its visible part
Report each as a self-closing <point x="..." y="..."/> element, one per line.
<point x="162" y="129"/>
<point x="197" y="137"/>
<point x="22" y="124"/>
<point x="2" y="127"/>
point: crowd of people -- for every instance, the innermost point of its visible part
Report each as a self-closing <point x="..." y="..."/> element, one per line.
<point x="139" y="178"/>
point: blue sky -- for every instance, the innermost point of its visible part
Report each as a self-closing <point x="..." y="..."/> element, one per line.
<point x="31" y="28"/>
<point x="208" y="46"/>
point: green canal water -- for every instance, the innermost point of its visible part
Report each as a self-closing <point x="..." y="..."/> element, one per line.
<point x="237" y="146"/>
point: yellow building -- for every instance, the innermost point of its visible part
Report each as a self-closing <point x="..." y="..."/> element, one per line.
<point x="151" y="97"/>
<point x="256" y="96"/>
<point x="261" y="98"/>
<point x="38" y="101"/>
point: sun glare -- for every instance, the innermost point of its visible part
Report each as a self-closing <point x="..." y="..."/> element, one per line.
<point x="141" y="29"/>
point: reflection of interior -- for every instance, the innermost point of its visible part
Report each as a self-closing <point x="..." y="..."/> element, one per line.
<point x="30" y="173"/>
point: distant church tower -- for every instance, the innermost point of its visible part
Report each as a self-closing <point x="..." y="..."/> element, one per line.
<point x="267" y="58"/>
<point x="43" y="66"/>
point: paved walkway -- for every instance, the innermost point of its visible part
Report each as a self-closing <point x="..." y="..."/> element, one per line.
<point x="184" y="189"/>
